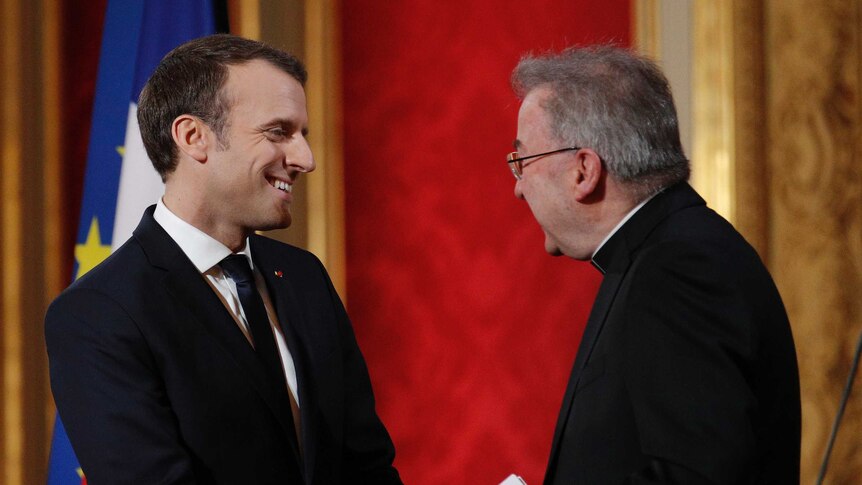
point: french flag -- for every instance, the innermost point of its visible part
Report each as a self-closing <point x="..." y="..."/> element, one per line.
<point x="120" y="181"/>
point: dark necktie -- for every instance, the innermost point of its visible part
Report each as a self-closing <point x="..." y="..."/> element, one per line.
<point x="237" y="268"/>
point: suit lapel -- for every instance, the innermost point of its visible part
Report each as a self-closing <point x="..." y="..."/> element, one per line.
<point x="293" y="324"/>
<point x="192" y="293"/>
<point x="605" y="297"/>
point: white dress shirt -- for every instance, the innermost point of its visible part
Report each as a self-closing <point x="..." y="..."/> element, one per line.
<point x="205" y="254"/>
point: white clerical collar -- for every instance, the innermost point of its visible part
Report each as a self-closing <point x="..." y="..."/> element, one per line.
<point x="620" y="224"/>
<point x="201" y="248"/>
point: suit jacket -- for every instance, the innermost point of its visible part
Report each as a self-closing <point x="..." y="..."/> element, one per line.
<point x="155" y="383"/>
<point x="686" y="372"/>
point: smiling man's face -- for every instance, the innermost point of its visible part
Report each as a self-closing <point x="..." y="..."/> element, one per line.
<point x="263" y="152"/>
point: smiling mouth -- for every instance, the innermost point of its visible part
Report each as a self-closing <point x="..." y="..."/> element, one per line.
<point x="281" y="185"/>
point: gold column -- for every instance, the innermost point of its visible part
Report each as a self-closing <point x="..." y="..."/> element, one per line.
<point x="326" y="190"/>
<point x="693" y="43"/>
<point x="646" y="24"/>
<point x="728" y="118"/>
<point x="244" y="17"/>
<point x="12" y="242"/>
<point x="713" y="155"/>
<point x="747" y="131"/>
<point x="31" y="231"/>
<point x="54" y="224"/>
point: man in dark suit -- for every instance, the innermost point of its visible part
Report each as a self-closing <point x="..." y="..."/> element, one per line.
<point x="686" y="372"/>
<point x="200" y="352"/>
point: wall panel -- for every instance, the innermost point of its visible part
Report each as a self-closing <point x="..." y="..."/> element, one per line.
<point x="469" y="328"/>
<point x="30" y="271"/>
<point x="814" y="116"/>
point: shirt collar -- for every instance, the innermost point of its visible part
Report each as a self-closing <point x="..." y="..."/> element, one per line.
<point x="201" y="248"/>
<point x="620" y="224"/>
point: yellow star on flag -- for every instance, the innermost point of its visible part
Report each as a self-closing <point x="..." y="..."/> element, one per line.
<point x="92" y="252"/>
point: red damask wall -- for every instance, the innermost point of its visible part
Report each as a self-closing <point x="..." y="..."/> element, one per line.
<point x="469" y="328"/>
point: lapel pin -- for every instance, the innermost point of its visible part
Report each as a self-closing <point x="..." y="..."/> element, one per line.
<point x="279" y="273"/>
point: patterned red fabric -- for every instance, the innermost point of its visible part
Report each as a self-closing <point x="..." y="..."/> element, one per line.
<point x="468" y="327"/>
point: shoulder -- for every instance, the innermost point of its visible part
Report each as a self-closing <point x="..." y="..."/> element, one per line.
<point x="267" y="244"/>
<point x="697" y="276"/>
<point x="697" y="238"/>
<point x="270" y="249"/>
<point x="697" y="260"/>
<point x="106" y="292"/>
<point x="87" y="317"/>
<point x="302" y="267"/>
<point x="119" y="270"/>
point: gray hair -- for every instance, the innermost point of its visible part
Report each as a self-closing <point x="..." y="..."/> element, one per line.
<point x="616" y="102"/>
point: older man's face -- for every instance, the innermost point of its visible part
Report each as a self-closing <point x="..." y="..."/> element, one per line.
<point x="542" y="184"/>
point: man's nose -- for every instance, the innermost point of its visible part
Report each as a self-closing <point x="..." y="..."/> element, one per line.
<point x="518" y="193"/>
<point x="302" y="158"/>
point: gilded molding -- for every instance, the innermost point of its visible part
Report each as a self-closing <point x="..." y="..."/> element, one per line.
<point x="12" y="243"/>
<point x="646" y="23"/>
<point x="713" y="154"/>
<point x="55" y="225"/>
<point x="713" y="102"/>
<point x="326" y="186"/>
<point x="244" y="17"/>
<point x="750" y="189"/>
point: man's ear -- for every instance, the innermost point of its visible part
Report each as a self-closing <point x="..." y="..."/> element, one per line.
<point x="587" y="174"/>
<point x="192" y="136"/>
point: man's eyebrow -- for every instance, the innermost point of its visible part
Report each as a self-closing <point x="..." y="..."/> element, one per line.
<point x="285" y="123"/>
<point x="279" y="122"/>
<point x="517" y="144"/>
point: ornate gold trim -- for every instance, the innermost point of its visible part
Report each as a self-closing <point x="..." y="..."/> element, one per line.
<point x="713" y="151"/>
<point x="713" y="154"/>
<point x="12" y="242"/>
<point x="54" y="224"/>
<point x="326" y="189"/>
<point x="646" y="25"/>
<point x="244" y="18"/>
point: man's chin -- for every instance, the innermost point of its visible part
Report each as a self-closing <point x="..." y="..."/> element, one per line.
<point x="552" y="248"/>
<point x="282" y="222"/>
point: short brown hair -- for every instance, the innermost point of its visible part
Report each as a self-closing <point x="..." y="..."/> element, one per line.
<point x="189" y="80"/>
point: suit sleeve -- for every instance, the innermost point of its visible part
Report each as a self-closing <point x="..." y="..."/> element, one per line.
<point x="109" y="394"/>
<point x="689" y="339"/>
<point x="368" y="449"/>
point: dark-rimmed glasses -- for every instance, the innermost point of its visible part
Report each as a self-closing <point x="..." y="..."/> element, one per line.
<point x="516" y="164"/>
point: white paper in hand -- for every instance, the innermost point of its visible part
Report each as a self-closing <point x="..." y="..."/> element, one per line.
<point x="513" y="480"/>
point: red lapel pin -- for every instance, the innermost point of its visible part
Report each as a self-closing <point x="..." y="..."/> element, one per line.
<point x="279" y="273"/>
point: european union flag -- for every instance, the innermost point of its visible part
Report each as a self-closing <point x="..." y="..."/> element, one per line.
<point x="120" y="181"/>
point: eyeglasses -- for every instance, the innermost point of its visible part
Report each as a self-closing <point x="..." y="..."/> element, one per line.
<point x="516" y="164"/>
